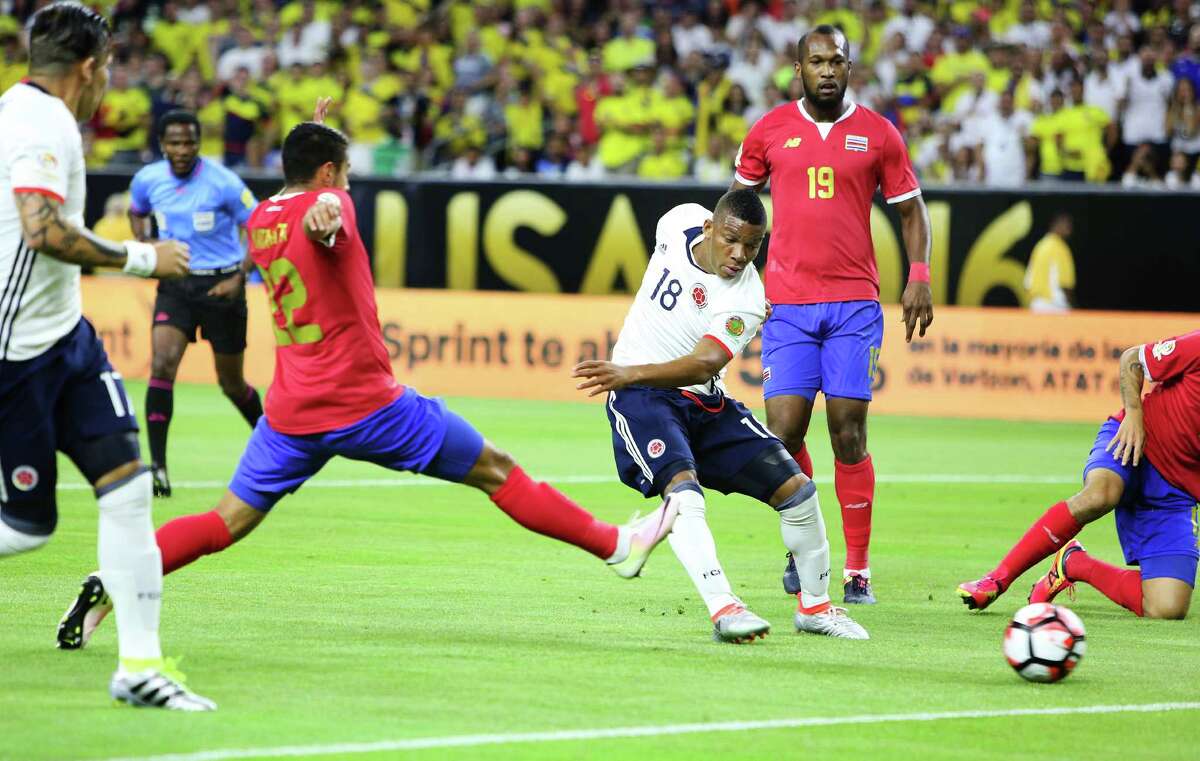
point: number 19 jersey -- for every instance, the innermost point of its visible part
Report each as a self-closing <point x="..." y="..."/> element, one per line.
<point x="331" y="365"/>
<point x="679" y="303"/>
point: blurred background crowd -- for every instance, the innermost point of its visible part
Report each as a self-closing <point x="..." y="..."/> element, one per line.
<point x="994" y="92"/>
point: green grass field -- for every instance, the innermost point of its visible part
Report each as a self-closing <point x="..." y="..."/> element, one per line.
<point x="364" y="615"/>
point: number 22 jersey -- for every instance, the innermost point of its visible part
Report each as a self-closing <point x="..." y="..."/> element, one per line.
<point x="331" y="365"/>
<point x="678" y="303"/>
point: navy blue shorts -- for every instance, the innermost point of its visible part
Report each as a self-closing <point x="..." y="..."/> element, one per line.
<point x="65" y="397"/>
<point x="413" y="433"/>
<point x="659" y="433"/>
<point x="1156" y="520"/>
<point x="832" y="348"/>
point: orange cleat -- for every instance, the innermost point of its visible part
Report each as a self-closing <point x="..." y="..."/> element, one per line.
<point x="980" y="593"/>
<point x="1055" y="581"/>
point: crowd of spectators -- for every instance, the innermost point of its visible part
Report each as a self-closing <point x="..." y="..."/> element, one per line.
<point x="996" y="92"/>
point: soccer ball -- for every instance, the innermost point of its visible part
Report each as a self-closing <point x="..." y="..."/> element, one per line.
<point x="1044" y="642"/>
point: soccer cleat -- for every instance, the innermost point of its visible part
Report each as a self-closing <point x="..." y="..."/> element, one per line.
<point x="162" y="484"/>
<point x="645" y="535"/>
<point x="736" y="625"/>
<point x="980" y="593"/>
<point x="156" y="688"/>
<point x="791" y="578"/>
<point x="85" y="614"/>
<point x="857" y="590"/>
<point x="1055" y="581"/>
<point x="832" y="622"/>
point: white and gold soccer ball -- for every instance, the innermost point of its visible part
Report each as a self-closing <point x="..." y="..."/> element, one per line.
<point x="1044" y="642"/>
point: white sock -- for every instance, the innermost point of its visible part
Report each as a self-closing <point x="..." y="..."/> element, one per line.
<point x="693" y="544"/>
<point x="803" y="531"/>
<point x="13" y="542"/>
<point x="131" y="565"/>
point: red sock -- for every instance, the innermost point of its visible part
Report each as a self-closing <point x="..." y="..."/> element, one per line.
<point x="1121" y="585"/>
<point x="193" y="536"/>
<point x="540" y="507"/>
<point x="804" y="461"/>
<point x="1055" y="528"/>
<point x="855" y="487"/>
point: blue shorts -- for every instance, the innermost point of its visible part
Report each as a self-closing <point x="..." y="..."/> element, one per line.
<point x="413" y="433"/>
<point x="1156" y="520"/>
<point x="59" y="400"/>
<point x="659" y="433"/>
<point x="832" y="348"/>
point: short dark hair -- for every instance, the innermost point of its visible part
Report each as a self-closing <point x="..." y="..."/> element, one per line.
<point x="742" y="204"/>
<point x="309" y="146"/>
<point x="177" y="116"/>
<point x="821" y="30"/>
<point x="64" y="34"/>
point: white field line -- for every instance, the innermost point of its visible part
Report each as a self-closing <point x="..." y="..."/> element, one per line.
<point x="469" y="741"/>
<point x="907" y="478"/>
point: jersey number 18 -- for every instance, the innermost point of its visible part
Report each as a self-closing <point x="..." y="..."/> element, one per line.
<point x="667" y="297"/>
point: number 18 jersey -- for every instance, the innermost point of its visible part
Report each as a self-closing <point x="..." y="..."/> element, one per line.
<point x="679" y="303"/>
<point x="331" y="365"/>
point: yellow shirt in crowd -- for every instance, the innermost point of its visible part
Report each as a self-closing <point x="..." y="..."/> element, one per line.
<point x="1051" y="269"/>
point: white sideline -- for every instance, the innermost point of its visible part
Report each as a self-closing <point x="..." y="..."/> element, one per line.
<point x="906" y="478"/>
<point x="468" y="741"/>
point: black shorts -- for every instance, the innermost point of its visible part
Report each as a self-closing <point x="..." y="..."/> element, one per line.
<point x="185" y="304"/>
<point x="67" y="396"/>
<point x="658" y="433"/>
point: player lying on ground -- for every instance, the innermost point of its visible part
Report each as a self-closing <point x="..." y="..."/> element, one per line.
<point x="1145" y="464"/>
<point x="334" y="394"/>
<point x="57" y="388"/>
<point x="673" y="427"/>
<point x="825" y="156"/>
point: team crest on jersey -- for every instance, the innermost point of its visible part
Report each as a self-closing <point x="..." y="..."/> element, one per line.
<point x="1163" y="349"/>
<point x="48" y="161"/>
<point x="735" y="326"/>
<point x="856" y="143"/>
<point x="25" y="478"/>
<point x="656" y="448"/>
<point x="699" y="295"/>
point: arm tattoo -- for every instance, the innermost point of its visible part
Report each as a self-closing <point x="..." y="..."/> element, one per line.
<point x="1132" y="378"/>
<point x="46" y="231"/>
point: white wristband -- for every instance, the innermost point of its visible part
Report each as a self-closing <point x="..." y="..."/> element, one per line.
<point x="140" y="258"/>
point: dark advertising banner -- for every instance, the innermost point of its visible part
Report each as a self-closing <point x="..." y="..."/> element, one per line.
<point x="1133" y="251"/>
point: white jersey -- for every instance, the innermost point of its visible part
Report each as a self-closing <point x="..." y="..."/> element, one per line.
<point x="678" y="303"/>
<point x="41" y="151"/>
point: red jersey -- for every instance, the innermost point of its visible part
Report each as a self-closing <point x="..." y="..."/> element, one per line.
<point x="331" y="365"/>
<point x="823" y="177"/>
<point x="1172" y="409"/>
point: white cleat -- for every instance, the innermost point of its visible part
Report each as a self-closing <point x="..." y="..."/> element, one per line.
<point x="644" y="535"/>
<point x="737" y="625"/>
<point x="834" y="622"/>
<point x="154" y="689"/>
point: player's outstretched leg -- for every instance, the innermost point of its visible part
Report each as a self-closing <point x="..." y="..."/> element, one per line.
<point x="803" y="531"/>
<point x="180" y="541"/>
<point x="541" y="508"/>
<point x="693" y="544"/>
<point x="1102" y="490"/>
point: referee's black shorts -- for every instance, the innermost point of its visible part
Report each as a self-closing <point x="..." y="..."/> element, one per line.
<point x="186" y="305"/>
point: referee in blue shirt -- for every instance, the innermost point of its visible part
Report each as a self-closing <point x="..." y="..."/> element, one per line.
<point x="202" y="203"/>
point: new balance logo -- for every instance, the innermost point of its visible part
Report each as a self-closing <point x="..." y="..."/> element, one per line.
<point x="1050" y="534"/>
<point x="857" y="506"/>
<point x="791" y="142"/>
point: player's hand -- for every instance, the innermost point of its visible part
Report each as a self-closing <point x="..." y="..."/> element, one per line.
<point x="1130" y="440"/>
<point x="917" y="304"/>
<point x="770" y="309"/>
<point x="600" y="377"/>
<point x="172" y="260"/>
<point x="322" y="110"/>
<point x="324" y="218"/>
<point x="229" y="288"/>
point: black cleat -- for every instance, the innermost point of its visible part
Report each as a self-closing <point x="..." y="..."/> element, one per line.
<point x="857" y="591"/>
<point x="791" y="579"/>
<point x="162" y="484"/>
<point x="85" y="614"/>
